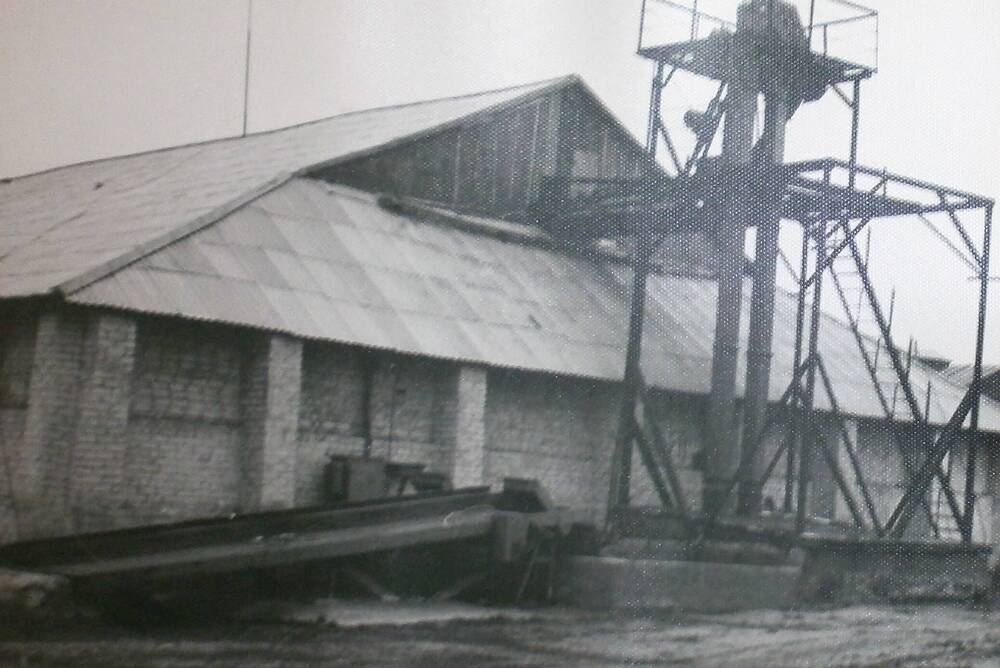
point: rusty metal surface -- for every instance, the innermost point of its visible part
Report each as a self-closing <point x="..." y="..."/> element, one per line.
<point x="327" y="262"/>
<point x="59" y="224"/>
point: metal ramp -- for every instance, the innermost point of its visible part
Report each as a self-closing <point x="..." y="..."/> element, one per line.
<point x="273" y="539"/>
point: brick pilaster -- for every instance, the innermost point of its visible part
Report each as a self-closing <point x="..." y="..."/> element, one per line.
<point x="270" y="405"/>
<point x="98" y="460"/>
<point x="40" y="469"/>
<point x="469" y="435"/>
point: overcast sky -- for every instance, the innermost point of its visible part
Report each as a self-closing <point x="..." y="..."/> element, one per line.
<point x="85" y="80"/>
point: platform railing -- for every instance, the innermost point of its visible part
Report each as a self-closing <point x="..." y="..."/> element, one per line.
<point x="836" y="29"/>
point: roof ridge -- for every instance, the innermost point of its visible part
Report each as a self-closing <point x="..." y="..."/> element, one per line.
<point x="567" y="78"/>
<point x="168" y="238"/>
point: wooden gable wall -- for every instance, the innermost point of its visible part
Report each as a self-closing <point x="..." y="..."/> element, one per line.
<point x="497" y="164"/>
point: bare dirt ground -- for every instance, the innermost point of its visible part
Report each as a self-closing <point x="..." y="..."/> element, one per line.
<point x="860" y="636"/>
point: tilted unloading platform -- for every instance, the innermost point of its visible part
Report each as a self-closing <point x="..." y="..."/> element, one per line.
<point x="284" y="538"/>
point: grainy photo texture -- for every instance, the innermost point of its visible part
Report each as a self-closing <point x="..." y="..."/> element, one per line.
<point x="536" y="333"/>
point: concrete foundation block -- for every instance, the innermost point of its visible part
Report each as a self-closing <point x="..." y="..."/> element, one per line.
<point x="850" y="572"/>
<point x="637" y="585"/>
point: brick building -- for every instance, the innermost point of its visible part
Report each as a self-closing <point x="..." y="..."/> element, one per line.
<point x="194" y="331"/>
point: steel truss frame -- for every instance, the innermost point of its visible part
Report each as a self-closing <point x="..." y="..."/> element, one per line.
<point x="824" y="196"/>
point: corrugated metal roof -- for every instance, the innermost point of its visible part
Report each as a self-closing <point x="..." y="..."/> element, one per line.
<point x="961" y="374"/>
<point x="59" y="225"/>
<point x="326" y="262"/>
<point x="316" y="261"/>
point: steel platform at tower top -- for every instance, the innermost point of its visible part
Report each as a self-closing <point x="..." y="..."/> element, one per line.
<point x="698" y="35"/>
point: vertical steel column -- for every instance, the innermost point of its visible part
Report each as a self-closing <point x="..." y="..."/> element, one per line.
<point x="805" y="464"/>
<point x="642" y="26"/>
<point x="855" y="121"/>
<point x="655" y="96"/>
<point x="721" y="451"/>
<point x="761" y="332"/>
<point x="621" y="459"/>
<point x="621" y="463"/>
<point x="968" y="513"/>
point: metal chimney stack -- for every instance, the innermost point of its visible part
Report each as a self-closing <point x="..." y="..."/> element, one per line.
<point x="772" y="29"/>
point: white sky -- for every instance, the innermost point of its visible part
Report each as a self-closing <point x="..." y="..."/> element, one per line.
<point x="85" y="80"/>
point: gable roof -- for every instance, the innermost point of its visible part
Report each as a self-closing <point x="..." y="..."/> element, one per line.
<point x="327" y="262"/>
<point x="227" y="231"/>
<point x="61" y="228"/>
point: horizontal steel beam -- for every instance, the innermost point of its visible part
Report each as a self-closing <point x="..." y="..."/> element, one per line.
<point x="832" y="164"/>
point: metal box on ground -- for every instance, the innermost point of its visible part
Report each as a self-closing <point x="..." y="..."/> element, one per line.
<point x="350" y="479"/>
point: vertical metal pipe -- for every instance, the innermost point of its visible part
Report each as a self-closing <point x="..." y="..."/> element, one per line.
<point x="812" y="19"/>
<point x="800" y="314"/>
<point x="855" y="122"/>
<point x="805" y="465"/>
<point x="875" y="14"/>
<point x="852" y="456"/>
<point x="642" y="26"/>
<point x="761" y="329"/>
<point x="721" y="448"/>
<point x="868" y="249"/>
<point x="977" y="381"/>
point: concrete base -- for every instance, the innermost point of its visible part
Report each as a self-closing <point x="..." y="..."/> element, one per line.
<point x="757" y="553"/>
<point x="861" y="571"/>
<point x="610" y="583"/>
<point x="716" y="576"/>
